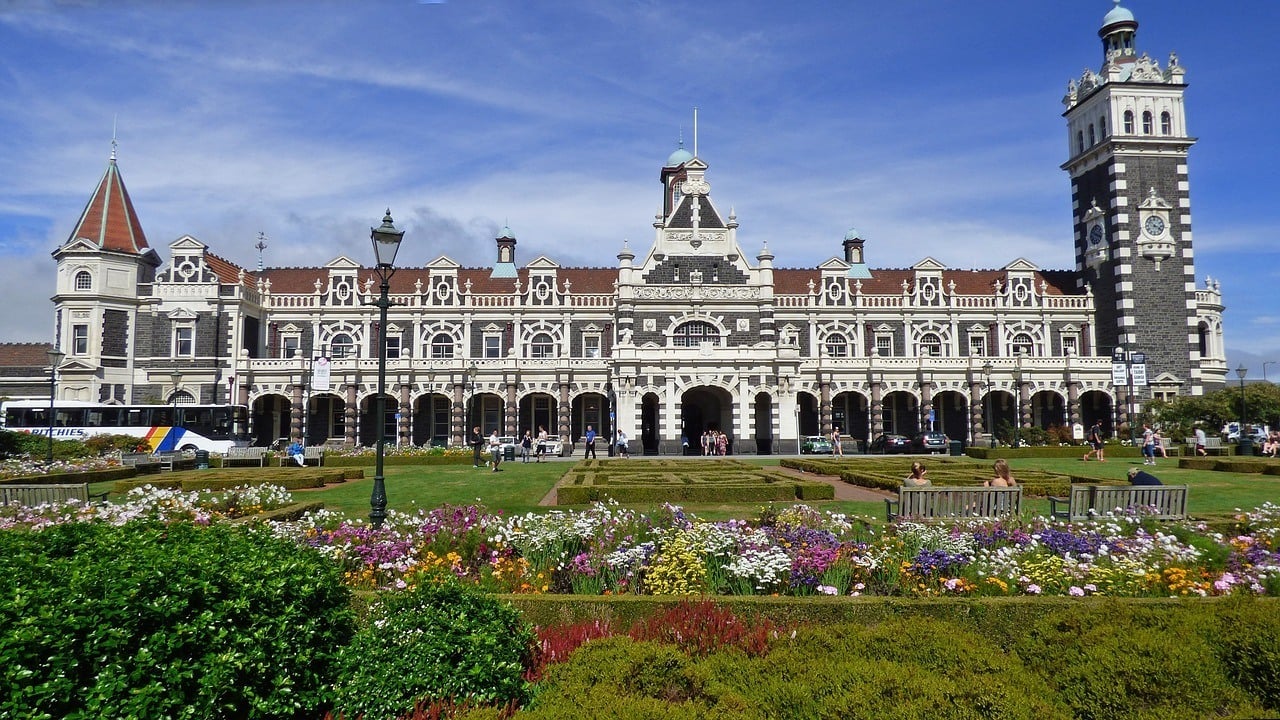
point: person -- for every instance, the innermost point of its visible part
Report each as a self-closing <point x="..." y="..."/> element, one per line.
<point x="622" y="445"/>
<point x="1200" y="442"/>
<point x="1095" y="442"/>
<point x="526" y="446"/>
<point x="706" y="442"/>
<point x="477" y="445"/>
<point x="1148" y="445"/>
<point x="295" y="452"/>
<point x="836" y="447"/>
<point x="1159" y="446"/>
<point x="917" y="477"/>
<point x="495" y="449"/>
<point x="1002" y="476"/>
<point x="1142" y="477"/>
<point x="1272" y="444"/>
<point x="542" y="443"/>
<point x="722" y="444"/>
<point x="590" y="452"/>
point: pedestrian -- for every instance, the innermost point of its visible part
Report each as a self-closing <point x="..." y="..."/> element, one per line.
<point x="495" y="449"/>
<point x="836" y="447"/>
<point x="1148" y="445"/>
<point x="542" y="443"/>
<point x="722" y="444"/>
<point x="622" y="445"/>
<point x="591" y="444"/>
<point x="526" y="446"/>
<point x="1201" y="441"/>
<point x="477" y="445"/>
<point x="1095" y="442"/>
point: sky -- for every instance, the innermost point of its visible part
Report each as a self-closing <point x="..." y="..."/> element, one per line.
<point x="934" y="127"/>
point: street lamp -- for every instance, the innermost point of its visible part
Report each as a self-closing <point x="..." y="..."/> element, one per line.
<point x="1017" y="427"/>
<point x="386" y="242"/>
<point x="471" y="405"/>
<point x="175" y="378"/>
<point x="986" y="381"/>
<point x="1246" y="443"/>
<point x="55" y="359"/>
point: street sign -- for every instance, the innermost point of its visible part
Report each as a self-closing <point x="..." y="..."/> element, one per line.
<point x="1119" y="374"/>
<point x="931" y="416"/>
<point x="1139" y="371"/>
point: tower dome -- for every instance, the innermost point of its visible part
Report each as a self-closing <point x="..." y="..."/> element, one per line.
<point x="1117" y="15"/>
<point x="679" y="157"/>
<point x="852" y="234"/>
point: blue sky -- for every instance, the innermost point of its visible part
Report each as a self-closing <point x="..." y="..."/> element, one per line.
<point x="932" y="126"/>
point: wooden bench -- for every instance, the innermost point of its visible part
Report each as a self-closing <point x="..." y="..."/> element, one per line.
<point x="934" y="502"/>
<point x="170" y="461"/>
<point x="33" y="495"/>
<point x="313" y="456"/>
<point x="1212" y="446"/>
<point x="1171" y="449"/>
<point x="248" y="456"/>
<point x="145" y="463"/>
<point x="1085" y="502"/>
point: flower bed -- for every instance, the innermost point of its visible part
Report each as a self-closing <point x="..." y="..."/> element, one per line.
<point x="657" y="480"/>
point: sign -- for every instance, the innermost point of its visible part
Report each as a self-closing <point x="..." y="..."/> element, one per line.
<point x="1119" y="374"/>
<point x="1139" y="375"/>
<point x="1077" y="431"/>
<point x="931" y="415"/>
<point x="320" y="373"/>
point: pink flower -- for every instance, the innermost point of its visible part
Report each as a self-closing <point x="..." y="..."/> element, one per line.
<point x="1075" y="591"/>
<point x="1033" y="589"/>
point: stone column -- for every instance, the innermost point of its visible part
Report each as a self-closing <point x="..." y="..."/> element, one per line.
<point x="406" y="414"/>
<point x="352" y="413"/>
<point x="295" y="412"/>
<point x="975" y="410"/>
<point x="877" y="408"/>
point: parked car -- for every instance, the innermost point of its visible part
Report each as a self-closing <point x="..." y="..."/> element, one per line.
<point x="929" y="442"/>
<point x="889" y="443"/>
<point x="815" y="445"/>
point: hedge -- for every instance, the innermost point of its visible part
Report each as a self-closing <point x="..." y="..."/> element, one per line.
<point x="366" y="460"/>
<point x="1048" y="451"/>
<point x="86" y="476"/>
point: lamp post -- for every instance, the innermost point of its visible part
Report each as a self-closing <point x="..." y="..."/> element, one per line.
<point x="1017" y="427"/>
<point x="175" y="377"/>
<point x="611" y="399"/>
<point x="386" y="242"/>
<point x="986" y="381"/>
<point x="55" y="359"/>
<point x="472" y="371"/>
<point x="1264" y="368"/>
<point x="1246" y="442"/>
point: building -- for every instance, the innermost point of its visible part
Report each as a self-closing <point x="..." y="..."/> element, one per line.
<point x="690" y="333"/>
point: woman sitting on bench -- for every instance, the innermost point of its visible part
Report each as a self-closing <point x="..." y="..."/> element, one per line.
<point x="916" y="478"/>
<point x="1002" y="477"/>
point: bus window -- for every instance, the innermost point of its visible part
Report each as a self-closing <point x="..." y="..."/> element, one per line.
<point x="138" y="417"/>
<point x="69" y="418"/>
<point x="111" y="417"/>
<point x="93" y="418"/>
<point x="161" y="416"/>
<point x="198" y="417"/>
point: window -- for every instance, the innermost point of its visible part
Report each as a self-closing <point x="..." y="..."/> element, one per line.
<point x="1070" y="345"/>
<point x="1102" y="127"/>
<point x="84" y="281"/>
<point x="441" y="347"/>
<point x="1092" y="138"/>
<point x="80" y="340"/>
<point x="884" y="345"/>
<point x="393" y="347"/>
<point x="184" y="342"/>
<point x="288" y="346"/>
<point x="1128" y="122"/>
<point x="930" y="345"/>
<point x="837" y="346"/>
<point x="977" y="346"/>
<point x="1079" y="142"/>
<point x="342" y="345"/>
<point x="591" y="346"/>
<point x="1166" y="123"/>
<point x="493" y="346"/>
<point x="1147" y="123"/>
<point x="1022" y="344"/>
<point x="693" y="334"/>
<point x="542" y="347"/>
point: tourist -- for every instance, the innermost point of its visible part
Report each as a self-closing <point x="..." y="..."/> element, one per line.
<point x="1002" y="476"/>
<point x="917" y="477"/>
<point x="1096" y="444"/>
<point x="295" y="452"/>
<point x="722" y="444"/>
<point x="1272" y="444"/>
<point x="1148" y="445"/>
<point x="1158" y="447"/>
<point x="526" y="446"/>
<point x="836" y="447"/>
<point x="542" y="443"/>
<point x="621" y="444"/>
<point x="590" y="452"/>
<point x="1201" y="441"/>
<point x="477" y="445"/>
<point x="1142" y="477"/>
<point x="495" y="449"/>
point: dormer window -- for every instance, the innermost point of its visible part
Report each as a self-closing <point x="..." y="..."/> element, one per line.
<point x="542" y="347"/>
<point x="84" y="281"/>
<point x="693" y="334"/>
<point x="343" y="346"/>
<point x="441" y="347"/>
<point x="837" y="346"/>
<point x="1022" y="344"/>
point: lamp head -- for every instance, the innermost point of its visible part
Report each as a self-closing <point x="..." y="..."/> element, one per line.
<point x="386" y="241"/>
<point x="1242" y="371"/>
<point x="55" y="356"/>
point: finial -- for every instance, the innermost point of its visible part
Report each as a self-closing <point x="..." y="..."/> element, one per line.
<point x="695" y="131"/>
<point x="114" y="144"/>
<point x="262" y="245"/>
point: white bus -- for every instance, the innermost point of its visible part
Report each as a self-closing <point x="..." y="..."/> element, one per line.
<point x="197" y="427"/>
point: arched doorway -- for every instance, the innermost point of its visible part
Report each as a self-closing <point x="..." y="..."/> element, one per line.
<point x="1048" y="408"/>
<point x="851" y="412"/>
<point x="369" y="422"/>
<point x="763" y="423"/>
<point x="1096" y="406"/>
<point x="650" y="418"/>
<point x="326" y="419"/>
<point x="537" y="410"/>
<point x="807" y="419"/>
<point x="431" y="420"/>
<point x="486" y="410"/>
<point x="270" y="419"/>
<point x="590" y="409"/>
<point x="1000" y="412"/>
<point x="951" y="415"/>
<point x="901" y="415"/>
<point x="702" y="409"/>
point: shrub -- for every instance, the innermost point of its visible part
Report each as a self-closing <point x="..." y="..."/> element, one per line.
<point x="437" y="641"/>
<point x="701" y="628"/>
<point x="1248" y="643"/>
<point x="179" y="621"/>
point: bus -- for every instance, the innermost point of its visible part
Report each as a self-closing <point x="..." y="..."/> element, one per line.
<point x="214" y="428"/>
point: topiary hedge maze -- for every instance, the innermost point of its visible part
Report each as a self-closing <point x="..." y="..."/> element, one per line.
<point x="887" y="474"/>
<point x="641" y="481"/>
<point x="295" y="478"/>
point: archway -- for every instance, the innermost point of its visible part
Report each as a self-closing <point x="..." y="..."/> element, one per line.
<point x="702" y="409"/>
<point x="851" y="412"/>
<point x="806" y="415"/>
<point x="1048" y="408"/>
<point x="369" y="422"/>
<point x="270" y="416"/>
<point x="763" y="423"/>
<point x="1096" y="406"/>
<point x="1000" y="413"/>
<point x="537" y="410"/>
<point x="650" y="418"/>
<point x="431" y="420"/>
<point x="901" y="414"/>
<point x="486" y="410"/>
<point x="590" y="409"/>
<point x="326" y="419"/>
<point x="951" y="415"/>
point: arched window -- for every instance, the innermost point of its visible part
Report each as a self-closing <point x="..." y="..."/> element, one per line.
<point x="542" y="346"/>
<point x="1128" y="122"/>
<point x="84" y="281"/>
<point x="930" y="345"/>
<point x="1203" y="332"/>
<point x="1022" y="344"/>
<point x="837" y="345"/>
<point x="342" y="345"/>
<point x="692" y="334"/>
<point x="1166" y="123"/>
<point x="1147" y="123"/>
<point x="1079" y="141"/>
<point x="1093" y="140"/>
<point x="1102" y="127"/>
<point x="441" y="347"/>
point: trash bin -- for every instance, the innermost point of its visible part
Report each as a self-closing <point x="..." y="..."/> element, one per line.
<point x="509" y="453"/>
<point x="1245" y="447"/>
<point x="202" y="459"/>
<point x="957" y="448"/>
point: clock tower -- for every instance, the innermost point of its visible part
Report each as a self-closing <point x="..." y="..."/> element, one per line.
<point x="1127" y="148"/>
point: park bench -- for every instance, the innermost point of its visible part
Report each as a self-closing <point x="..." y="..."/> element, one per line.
<point x="144" y="463"/>
<point x="1171" y="449"/>
<point x="313" y="456"/>
<point x="934" y="502"/>
<point x="247" y="456"/>
<point x="1212" y="446"/>
<point x="32" y="495"/>
<point x="170" y="461"/>
<point x="1085" y="502"/>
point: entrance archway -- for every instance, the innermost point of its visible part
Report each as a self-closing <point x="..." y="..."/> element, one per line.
<point x="702" y="409"/>
<point x="806" y="414"/>
<point x="270" y="419"/>
<point x="1048" y="408"/>
<point x="650" y="416"/>
<point x="1001" y="413"/>
<point x="431" y="420"/>
<point x="537" y="410"/>
<point x="951" y="415"/>
<point x="369" y="425"/>
<point x="590" y="409"/>
<point x="763" y="423"/>
<point x="901" y="416"/>
<point x="1096" y="406"/>
<point x="851" y="412"/>
<point x="326" y="419"/>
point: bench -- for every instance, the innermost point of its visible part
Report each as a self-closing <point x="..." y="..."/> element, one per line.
<point x="930" y="502"/>
<point x="313" y="456"/>
<point x="32" y="495"/>
<point x="1085" y="502"/>
<point x="170" y="461"/>
<point x="145" y="463"/>
<point x="1212" y="446"/>
<point x="1171" y="449"/>
<point x="247" y="456"/>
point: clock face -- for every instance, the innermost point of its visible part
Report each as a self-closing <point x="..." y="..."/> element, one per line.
<point x="1155" y="225"/>
<point x="1095" y="234"/>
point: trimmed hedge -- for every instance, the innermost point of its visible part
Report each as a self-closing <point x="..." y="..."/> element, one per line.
<point x="295" y="478"/>
<point x="650" y="481"/>
<point x="367" y="460"/>
<point x="87" y="476"/>
<point x="1049" y="451"/>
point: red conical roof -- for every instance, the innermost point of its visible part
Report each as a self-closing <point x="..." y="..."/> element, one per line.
<point x="109" y="220"/>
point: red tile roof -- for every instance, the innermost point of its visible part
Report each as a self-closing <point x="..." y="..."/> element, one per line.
<point x="24" y="354"/>
<point x="109" y="220"/>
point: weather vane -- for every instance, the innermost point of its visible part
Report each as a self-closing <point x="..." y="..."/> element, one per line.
<point x="262" y="245"/>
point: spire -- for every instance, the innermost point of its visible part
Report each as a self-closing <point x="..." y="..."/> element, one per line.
<point x="109" y="220"/>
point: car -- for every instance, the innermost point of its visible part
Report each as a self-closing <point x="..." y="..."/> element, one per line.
<point x="509" y="441"/>
<point x="815" y="445"/>
<point x="890" y="443"/>
<point x="929" y="442"/>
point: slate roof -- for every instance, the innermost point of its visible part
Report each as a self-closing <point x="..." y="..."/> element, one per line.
<point x="24" y="354"/>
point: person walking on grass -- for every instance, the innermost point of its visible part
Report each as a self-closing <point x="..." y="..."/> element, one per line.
<point x="591" y="444"/>
<point x="1148" y="445"/>
<point x="477" y="444"/>
<point x="526" y="446"/>
<point x="542" y="443"/>
<point x="495" y="449"/>
<point x="1096" y="444"/>
<point x="622" y="445"/>
<point x="1201" y="441"/>
<point x="836" y="448"/>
